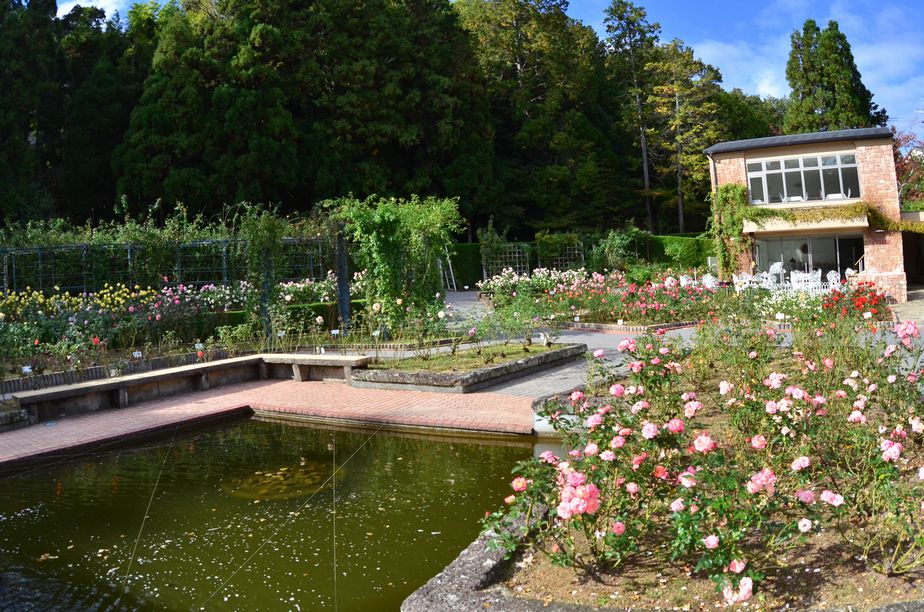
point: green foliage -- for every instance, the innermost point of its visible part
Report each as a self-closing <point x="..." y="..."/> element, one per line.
<point x="550" y="246"/>
<point x="730" y="207"/>
<point x="683" y="101"/>
<point x="618" y="250"/>
<point x="827" y="91"/>
<point x="466" y="263"/>
<point x="398" y="242"/>
<point x="746" y="116"/>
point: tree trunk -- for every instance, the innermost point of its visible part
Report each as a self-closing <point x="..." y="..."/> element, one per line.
<point x="646" y="174"/>
<point x="679" y="168"/>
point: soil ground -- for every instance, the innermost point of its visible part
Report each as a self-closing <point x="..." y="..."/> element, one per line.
<point x="821" y="575"/>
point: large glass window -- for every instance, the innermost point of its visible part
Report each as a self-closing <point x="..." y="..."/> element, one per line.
<point x="809" y="253"/>
<point x="804" y="179"/>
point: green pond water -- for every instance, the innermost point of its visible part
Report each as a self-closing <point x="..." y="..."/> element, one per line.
<point x="244" y="518"/>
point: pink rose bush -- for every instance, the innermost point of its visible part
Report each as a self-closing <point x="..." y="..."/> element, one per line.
<point x="734" y="460"/>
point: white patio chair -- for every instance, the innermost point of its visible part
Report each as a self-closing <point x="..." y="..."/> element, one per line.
<point x="686" y="281"/>
<point x="834" y="279"/>
<point x="709" y="281"/>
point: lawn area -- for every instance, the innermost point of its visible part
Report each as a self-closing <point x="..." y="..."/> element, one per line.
<point x="464" y="360"/>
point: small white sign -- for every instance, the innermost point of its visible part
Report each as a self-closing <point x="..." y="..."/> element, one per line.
<point x="137" y="354"/>
<point x="375" y="333"/>
<point x="335" y="332"/>
<point x="27" y="369"/>
<point x="199" y="346"/>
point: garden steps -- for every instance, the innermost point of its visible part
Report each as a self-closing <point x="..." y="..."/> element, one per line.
<point x="121" y="391"/>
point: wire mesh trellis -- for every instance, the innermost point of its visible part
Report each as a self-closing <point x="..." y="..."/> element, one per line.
<point x="88" y="267"/>
<point x="566" y="257"/>
<point x="513" y="255"/>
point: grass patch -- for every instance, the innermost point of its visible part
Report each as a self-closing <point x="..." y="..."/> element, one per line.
<point x="464" y="360"/>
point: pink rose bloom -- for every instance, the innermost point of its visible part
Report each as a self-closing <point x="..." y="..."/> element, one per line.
<point x="632" y="488"/>
<point x="745" y="591"/>
<point x="664" y="350"/>
<point x="703" y="443"/>
<point x="598" y="354"/>
<point x="608" y="455"/>
<point x="576" y="479"/>
<point x="687" y="481"/>
<point x="564" y="510"/>
<point x="917" y="425"/>
<point x="691" y="408"/>
<point x="736" y="566"/>
<point x="725" y="387"/>
<point x="856" y="417"/>
<point x="649" y="431"/>
<point x="830" y="497"/>
<point x="771" y="407"/>
<point x="639" y="406"/>
<point x="800" y="463"/>
<point x="617" y="442"/>
<point x="758" y="442"/>
<point x="805" y="525"/>
<point x="591" y="449"/>
<point x="577" y="396"/>
<point x="711" y="542"/>
<point x="510" y="499"/>
<point x="594" y="420"/>
<point x="891" y="450"/>
<point x="638" y="460"/>
<point x="548" y="457"/>
<point x="840" y="394"/>
<point x="891" y="378"/>
<point x="806" y="496"/>
<point x="617" y="390"/>
<point x="519" y="484"/>
<point x="677" y="505"/>
<point x="626" y="345"/>
<point x="659" y="472"/>
<point x="764" y="480"/>
<point x="752" y="355"/>
<point x="674" y="426"/>
<point x="618" y="528"/>
<point x="689" y="395"/>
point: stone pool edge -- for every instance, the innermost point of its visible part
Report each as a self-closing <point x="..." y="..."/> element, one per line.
<point x="123" y="438"/>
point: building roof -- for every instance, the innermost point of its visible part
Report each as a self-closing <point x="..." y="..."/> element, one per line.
<point x="799" y="139"/>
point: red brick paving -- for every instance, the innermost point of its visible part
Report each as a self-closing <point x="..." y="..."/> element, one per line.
<point x="483" y="412"/>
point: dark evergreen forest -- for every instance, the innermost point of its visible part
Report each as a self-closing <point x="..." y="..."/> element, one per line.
<point x="518" y="110"/>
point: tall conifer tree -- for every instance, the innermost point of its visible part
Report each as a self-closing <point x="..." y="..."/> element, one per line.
<point x="827" y="91"/>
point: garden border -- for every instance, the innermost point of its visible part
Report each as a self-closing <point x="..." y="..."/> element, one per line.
<point x="470" y="582"/>
<point x="468" y="381"/>
<point x="631" y="329"/>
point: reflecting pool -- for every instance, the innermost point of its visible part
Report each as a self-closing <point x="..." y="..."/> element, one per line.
<point x="247" y="515"/>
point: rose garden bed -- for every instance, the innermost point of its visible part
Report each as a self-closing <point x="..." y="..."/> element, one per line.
<point x="734" y="471"/>
<point x="466" y="371"/>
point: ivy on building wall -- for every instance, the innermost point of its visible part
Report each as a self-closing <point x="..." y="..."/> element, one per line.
<point x="730" y="209"/>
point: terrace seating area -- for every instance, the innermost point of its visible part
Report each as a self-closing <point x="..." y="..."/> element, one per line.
<point x="776" y="278"/>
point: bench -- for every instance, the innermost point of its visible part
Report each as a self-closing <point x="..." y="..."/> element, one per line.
<point x="44" y="404"/>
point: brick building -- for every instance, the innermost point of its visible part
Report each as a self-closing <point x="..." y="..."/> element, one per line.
<point x="841" y="169"/>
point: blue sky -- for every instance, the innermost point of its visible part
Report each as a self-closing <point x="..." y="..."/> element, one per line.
<point x="748" y="41"/>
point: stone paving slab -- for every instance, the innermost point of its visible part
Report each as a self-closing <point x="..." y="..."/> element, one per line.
<point x="479" y="412"/>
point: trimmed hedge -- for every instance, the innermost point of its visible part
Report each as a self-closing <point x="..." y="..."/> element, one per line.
<point x="682" y="251"/>
<point x="466" y="263"/>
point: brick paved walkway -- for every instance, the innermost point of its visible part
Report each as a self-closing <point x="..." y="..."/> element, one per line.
<point x="484" y="412"/>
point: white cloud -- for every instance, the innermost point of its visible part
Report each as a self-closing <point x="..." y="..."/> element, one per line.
<point x="110" y="6"/>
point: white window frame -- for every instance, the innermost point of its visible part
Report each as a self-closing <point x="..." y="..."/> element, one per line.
<point x="801" y="199"/>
